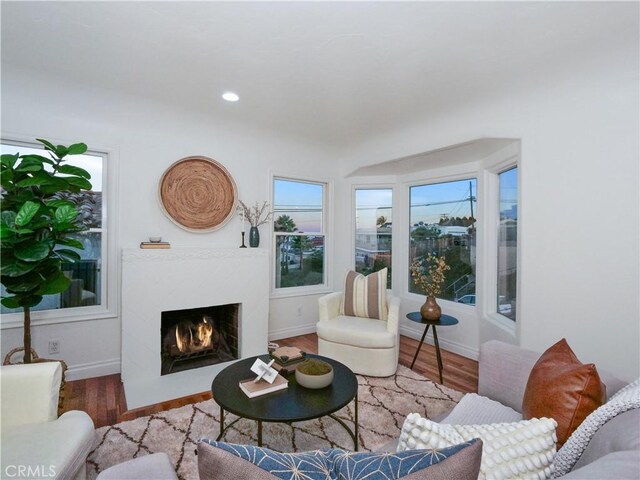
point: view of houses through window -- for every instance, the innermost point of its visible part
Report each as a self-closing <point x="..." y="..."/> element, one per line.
<point x="373" y="231"/>
<point x="299" y="229"/>
<point x="508" y="243"/>
<point x="86" y="274"/>
<point x="442" y="222"/>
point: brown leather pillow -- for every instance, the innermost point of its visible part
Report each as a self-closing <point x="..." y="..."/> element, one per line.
<point x="562" y="388"/>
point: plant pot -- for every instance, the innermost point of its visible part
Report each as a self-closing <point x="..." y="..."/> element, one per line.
<point x="254" y="237"/>
<point x="431" y="310"/>
<point x="314" y="381"/>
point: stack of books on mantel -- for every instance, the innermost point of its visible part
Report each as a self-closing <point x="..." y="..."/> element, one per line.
<point x="287" y="359"/>
<point x="155" y="245"/>
<point x="253" y="389"/>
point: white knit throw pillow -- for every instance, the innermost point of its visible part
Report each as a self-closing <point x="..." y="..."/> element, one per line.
<point x="518" y="450"/>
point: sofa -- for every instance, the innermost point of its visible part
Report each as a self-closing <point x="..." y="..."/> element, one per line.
<point x="36" y="443"/>
<point x="614" y="450"/>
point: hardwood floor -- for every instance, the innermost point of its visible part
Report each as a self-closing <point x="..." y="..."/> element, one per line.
<point x="104" y="400"/>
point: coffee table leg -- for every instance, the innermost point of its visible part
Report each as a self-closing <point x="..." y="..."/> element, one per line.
<point x="355" y="440"/>
<point x="221" y="422"/>
<point x="259" y="433"/>
<point x="420" y="344"/>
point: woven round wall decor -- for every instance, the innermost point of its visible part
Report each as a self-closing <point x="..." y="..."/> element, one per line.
<point x="198" y="194"/>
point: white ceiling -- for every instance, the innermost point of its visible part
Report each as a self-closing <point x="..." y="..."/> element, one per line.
<point x="335" y="73"/>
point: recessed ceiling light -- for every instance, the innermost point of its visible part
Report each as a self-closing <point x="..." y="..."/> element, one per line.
<point x="230" y="97"/>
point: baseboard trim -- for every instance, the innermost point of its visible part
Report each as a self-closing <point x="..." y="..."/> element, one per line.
<point x="93" y="369"/>
<point x="445" y="344"/>
<point x="292" y="331"/>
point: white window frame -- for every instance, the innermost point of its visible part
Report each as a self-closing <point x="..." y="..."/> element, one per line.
<point x="369" y="186"/>
<point x="110" y="295"/>
<point x="324" y="287"/>
<point x="491" y="180"/>
<point x="457" y="177"/>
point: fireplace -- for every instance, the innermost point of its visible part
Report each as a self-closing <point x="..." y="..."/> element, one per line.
<point x="198" y="337"/>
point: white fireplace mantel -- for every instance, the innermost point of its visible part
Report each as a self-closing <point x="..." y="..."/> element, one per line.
<point x="158" y="280"/>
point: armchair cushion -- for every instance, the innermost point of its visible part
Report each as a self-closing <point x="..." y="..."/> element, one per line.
<point x="357" y="332"/>
<point x="365" y="296"/>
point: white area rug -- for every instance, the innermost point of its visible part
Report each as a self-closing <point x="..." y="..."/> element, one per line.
<point x="383" y="405"/>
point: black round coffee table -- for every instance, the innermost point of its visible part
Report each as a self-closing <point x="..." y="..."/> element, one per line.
<point x="293" y="404"/>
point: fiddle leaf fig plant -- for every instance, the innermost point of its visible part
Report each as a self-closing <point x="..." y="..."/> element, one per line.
<point x="38" y="216"/>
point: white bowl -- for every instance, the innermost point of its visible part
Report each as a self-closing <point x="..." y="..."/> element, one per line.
<point x="314" y="381"/>
<point x="155" y="239"/>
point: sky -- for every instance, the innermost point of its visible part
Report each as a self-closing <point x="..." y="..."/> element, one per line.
<point x="509" y="192"/>
<point x="430" y="202"/>
<point x="91" y="163"/>
<point x="371" y="204"/>
<point x="301" y="201"/>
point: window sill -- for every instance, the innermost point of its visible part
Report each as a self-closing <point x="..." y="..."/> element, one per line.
<point x="502" y="322"/>
<point x="56" y="317"/>
<point x="299" y="292"/>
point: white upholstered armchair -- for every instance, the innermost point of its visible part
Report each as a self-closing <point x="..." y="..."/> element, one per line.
<point x="367" y="346"/>
<point x="35" y="442"/>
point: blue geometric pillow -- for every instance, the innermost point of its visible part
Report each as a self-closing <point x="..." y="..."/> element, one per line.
<point x="226" y="460"/>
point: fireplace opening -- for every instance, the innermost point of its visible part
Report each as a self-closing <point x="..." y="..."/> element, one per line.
<point x="198" y="337"/>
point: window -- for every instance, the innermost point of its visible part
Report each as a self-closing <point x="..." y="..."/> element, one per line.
<point x="507" y="243"/>
<point x="442" y="222"/>
<point x="88" y="278"/>
<point x="299" y="229"/>
<point x="373" y="231"/>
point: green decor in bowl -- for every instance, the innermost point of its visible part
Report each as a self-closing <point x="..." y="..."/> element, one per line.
<point x="314" y="373"/>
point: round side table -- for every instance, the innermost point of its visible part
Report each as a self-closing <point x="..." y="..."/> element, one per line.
<point x="444" y="321"/>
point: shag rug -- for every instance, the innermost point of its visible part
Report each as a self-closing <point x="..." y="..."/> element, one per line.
<point x="383" y="404"/>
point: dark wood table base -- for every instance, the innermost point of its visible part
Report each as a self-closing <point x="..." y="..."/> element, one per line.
<point x="352" y="433"/>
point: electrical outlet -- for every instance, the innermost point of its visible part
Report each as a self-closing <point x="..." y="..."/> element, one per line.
<point x="299" y="311"/>
<point x="54" y="347"/>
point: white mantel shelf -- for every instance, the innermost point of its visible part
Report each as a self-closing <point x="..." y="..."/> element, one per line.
<point x="159" y="280"/>
<point x="188" y="253"/>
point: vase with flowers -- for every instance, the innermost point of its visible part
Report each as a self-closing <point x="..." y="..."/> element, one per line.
<point x="256" y="216"/>
<point x="428" y="274"/>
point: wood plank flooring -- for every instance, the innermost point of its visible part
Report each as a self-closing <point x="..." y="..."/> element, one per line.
<point x="104" y="400"/>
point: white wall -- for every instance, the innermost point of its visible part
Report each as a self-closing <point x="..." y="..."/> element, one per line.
<point x="579" y="207"/>
<point x="147" y="138"/>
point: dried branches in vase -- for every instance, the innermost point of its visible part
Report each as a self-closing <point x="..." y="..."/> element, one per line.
<point x="428" y="274"/>
<point x="256" y="216"/>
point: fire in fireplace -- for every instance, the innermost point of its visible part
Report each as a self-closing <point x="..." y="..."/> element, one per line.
<point x="198" y="337"/>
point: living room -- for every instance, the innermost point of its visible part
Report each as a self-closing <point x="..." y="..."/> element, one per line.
<point x="350" y="97"/>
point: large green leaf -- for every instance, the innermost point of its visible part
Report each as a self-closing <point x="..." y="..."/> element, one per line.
<point x="33" y="252"/>
<point x="48" y="145"/>
<point x="59" y="203"/>
<point x="77" y="149"/>
<point x="68" y="255"/>
<point x="79" y="182"/>
<point x="23" y="284"/>
<point x="16" y="267"/>
<point x="66" y="214"/>
<point x="39" y="158"/>
<point x="26" y="213"/>
<point x="56" y="283"/>
<point x="61" y="151"/>
<point x="9" y="160"/>
<point x="29" y="165"/>
<point x="39" y="178"/>
<point x="8" y="218"/>
<point x="11" y="302"/>
<point x="71" y="170"/>
<point x="71" y="242"/>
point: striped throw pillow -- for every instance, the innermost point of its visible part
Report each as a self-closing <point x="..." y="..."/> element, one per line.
<point x="365" y="296"/>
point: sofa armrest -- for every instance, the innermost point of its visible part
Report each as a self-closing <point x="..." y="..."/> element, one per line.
<point x="30" y="393"/>
<point x="329" y="306"/>
<point x="393" y="317"/>
<point x="503" y="372"/>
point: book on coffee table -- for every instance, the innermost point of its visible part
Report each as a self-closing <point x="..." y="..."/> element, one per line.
<point x="253" y="389"/>
<point x="155" y="245"/>
<point x="287" y="355"/>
